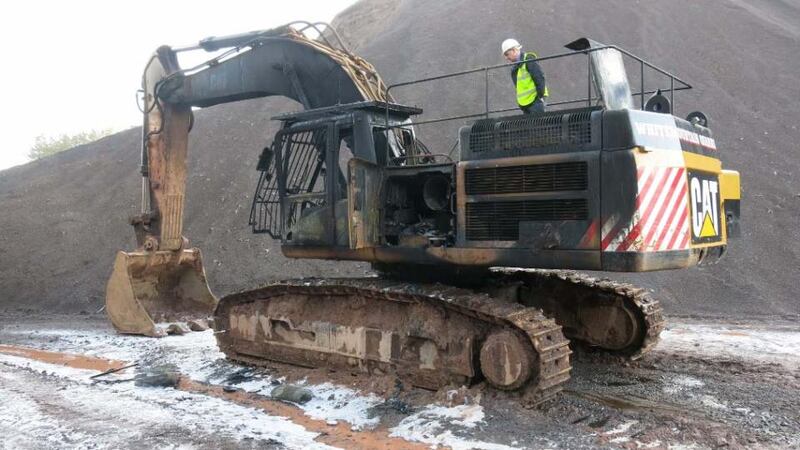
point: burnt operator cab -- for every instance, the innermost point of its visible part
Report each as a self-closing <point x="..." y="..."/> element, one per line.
<point x="340" y="177"/>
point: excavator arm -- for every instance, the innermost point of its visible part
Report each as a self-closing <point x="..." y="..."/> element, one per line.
<point x="163" y="280"/>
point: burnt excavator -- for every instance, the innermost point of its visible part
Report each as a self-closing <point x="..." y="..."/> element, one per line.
<point x="475" y="255"/>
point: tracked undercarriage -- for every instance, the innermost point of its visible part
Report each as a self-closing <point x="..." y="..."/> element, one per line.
<point x="619" y="318"/>
<point x="433" y="335"/>
<point x="430" y="335"/>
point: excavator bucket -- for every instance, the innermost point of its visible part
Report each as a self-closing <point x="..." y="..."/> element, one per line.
<point x="151" y="288"/>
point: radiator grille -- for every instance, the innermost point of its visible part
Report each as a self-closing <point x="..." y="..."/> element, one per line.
<point x="527" y="132"/>
<point x="579" y="128"/>
<point x="568" y="176"/>
<point x="499" y="221"/>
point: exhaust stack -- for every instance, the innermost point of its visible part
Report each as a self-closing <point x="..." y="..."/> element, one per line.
<point x="608" y="73"/>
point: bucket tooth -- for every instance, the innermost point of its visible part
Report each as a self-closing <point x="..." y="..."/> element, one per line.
<point x="147" y="288"/>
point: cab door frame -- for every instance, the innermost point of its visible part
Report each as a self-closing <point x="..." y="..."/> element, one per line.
<point x="365" y="181"/>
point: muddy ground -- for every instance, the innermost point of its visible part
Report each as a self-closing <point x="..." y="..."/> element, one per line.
<point x="707" y="385"/>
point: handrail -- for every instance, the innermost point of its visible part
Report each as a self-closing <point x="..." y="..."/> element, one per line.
<point x="683" y="85"/>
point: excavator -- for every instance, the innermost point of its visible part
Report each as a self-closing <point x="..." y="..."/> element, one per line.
<point x="476" y="256"/>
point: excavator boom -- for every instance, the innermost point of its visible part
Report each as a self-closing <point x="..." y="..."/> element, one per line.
<point x="163" y="280"/>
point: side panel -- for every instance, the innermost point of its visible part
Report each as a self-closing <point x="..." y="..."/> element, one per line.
<point x="675" y="206"/>
<point x="663" y="204"/>
<point x="364" y="189"/>
<point x="648" y="213"/>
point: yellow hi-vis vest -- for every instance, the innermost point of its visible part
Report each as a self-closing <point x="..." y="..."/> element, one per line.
<point x="526" y="87"/>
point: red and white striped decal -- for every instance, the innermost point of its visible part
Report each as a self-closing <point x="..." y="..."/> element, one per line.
<point x="660" y="220"/>
<point x="589" y="239"/>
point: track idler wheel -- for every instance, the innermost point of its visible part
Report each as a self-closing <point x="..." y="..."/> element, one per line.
<point x="612" y="327"/>
<point x="507" y="360"/>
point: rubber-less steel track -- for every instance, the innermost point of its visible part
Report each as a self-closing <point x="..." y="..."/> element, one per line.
<point x="569" y="288"/>
<point x="486" y="320"/>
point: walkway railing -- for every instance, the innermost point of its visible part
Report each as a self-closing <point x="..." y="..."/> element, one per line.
<point x="675" y="84"/>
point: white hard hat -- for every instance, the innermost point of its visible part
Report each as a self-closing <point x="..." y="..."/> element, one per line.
<point x="508" y="44"/>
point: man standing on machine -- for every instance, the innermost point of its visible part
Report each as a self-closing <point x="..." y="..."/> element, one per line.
<point x="528" y="77"/>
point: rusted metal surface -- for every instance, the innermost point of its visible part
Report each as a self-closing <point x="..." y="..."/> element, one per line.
<point x="507" y="361"/>
<point x="146" y="288"/>
<point x="164" y="280"/>
<point x="452" y="256"/>
<point x="364" y="204"/>
<point x="617" y="317"/>
<point x="429" y="335"/>
<point x="172" y="283"/>
<point x="165" y="148"/>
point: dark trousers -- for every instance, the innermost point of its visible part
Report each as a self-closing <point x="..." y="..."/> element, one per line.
<point x="535" y="107"/>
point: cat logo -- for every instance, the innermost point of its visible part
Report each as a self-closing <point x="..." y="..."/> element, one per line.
<point x="704" y="191"/>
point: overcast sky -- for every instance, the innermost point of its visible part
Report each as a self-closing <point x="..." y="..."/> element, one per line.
<point x="71" y="66"/>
